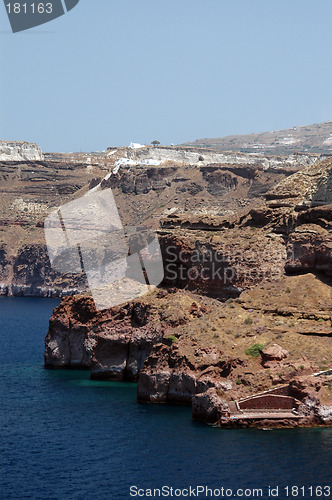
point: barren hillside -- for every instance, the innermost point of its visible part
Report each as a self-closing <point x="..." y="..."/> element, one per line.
<point x="315" y="138"/>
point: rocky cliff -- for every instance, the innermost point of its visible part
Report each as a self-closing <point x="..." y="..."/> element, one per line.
<point x="197" y="155"/>
<point x="29" y="191"/>
<point x="19" y="151"/>
<point x="27" y="272"/>
<point x="112" y="343"/>
<point x="269" y="266"/>
<point x="179" y="345"/>
<point x="247" y="257"/>
<point x="144" y="195"/>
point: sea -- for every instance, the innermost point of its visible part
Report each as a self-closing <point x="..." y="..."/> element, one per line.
<point x="64" y="436"/>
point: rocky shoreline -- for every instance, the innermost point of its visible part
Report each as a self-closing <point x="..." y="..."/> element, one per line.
<point x="145" y="341"/>
<point x="245" y="305"/>
<point x="242" y="324"/>
<point x="11" y="290"/>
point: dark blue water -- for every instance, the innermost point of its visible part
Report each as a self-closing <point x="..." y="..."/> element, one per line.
<point x="66" y="437"/>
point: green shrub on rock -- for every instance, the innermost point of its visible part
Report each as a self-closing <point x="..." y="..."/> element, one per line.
<point x="255" y="350"/>
<point x="172" y="338"/>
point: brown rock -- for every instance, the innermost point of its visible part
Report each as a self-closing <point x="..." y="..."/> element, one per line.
<point x="153" y="388"/>
<point x="113" y="343"/>
<point x="208" y="406"/>
<point x="305" y="386"/>
<point x="181" y="388"/>
<point x="309" y="251"/>
<point x="272" y="355"/>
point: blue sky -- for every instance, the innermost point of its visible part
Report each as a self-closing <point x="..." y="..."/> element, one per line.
<point x="114" y="71"/>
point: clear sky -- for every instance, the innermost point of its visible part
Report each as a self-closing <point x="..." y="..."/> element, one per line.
<point x="114" y="71"/>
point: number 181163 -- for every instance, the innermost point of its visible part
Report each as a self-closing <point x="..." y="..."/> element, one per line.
<point x="311" y="491"/>
<point x="30" y="8"/>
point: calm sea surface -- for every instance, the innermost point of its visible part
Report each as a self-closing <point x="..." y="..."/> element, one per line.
<point x="66" y="437"/>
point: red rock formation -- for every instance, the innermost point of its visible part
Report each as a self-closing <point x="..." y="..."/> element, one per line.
<point x="224" y="265"/>
<point x="113" y="343"/>
<point x="273" y="355"/>
<point x="308" y="250"/>
<point x="302" y="387"/>
<point x="170" y="376"/>
<point x="209" y="406"/>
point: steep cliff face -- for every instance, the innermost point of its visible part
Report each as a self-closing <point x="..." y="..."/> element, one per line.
<point x="270" y="269"/>
<point x="29" y="191"/>
<point x="187" y="190"/>
<point x="196" y="155"/>
<point x="223" y="263"/>
<point x="28" y="272"/>
<point x="176" y="188"/>
<point x="173" y="376"/>
<point x="113" y="343"/>
<point x="309" y="250"/>
<point x="238" y="228"/>
<point x="222" y="256"/>
<point x="300" y="209"/>
<point x="215" y="349"/>
<point x="5" y="265"/>
<point x="19" y="151"/>
<point x="202" y="338"/>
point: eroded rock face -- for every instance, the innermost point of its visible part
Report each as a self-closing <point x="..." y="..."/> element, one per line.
<point x="192" y="156"/>
<point x="220" y="182"/>
<point x="109" y="343"/>
<point x="19" y="151"/>
<point x="209" y="406"/>
<point x="312" y="184"/>
<point x="180" y="347"/>
<point x="120" y="357"/>
<point x="324" y="413"/>
<point x="302" y="387"/>
<point x="180" y="344"/>
<point x="222" y="265"/>
<point x="69" y="341"/>
<point x="314" y="411"/>
<point x="300" y="209"/>
<point x="28" y="273"/>
<point x="32" y="266"/>
<point x="5" y="265"/>
<point x="153" y="388"/>
<point x="170" y="376"/>
<point x="309" y="249"/>
<point x="312" y="393"/>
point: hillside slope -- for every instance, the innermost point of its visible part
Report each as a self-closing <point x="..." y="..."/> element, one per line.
<point x="315" y="138"/>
